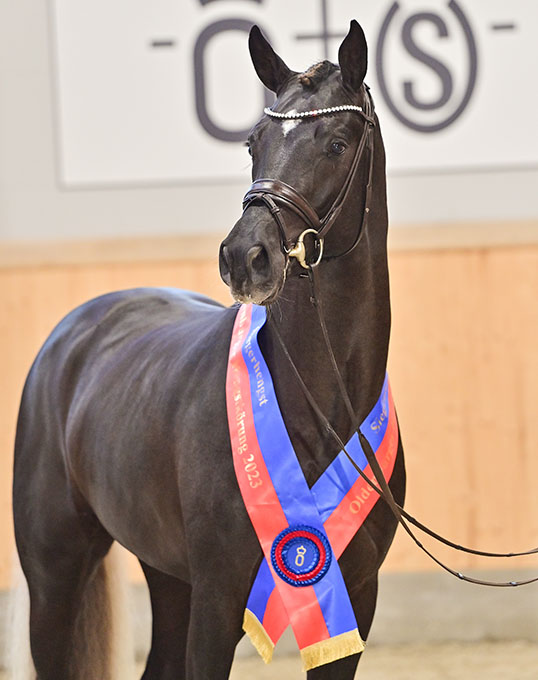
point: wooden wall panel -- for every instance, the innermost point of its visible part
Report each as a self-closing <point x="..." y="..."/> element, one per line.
<point x="464" y="371"/>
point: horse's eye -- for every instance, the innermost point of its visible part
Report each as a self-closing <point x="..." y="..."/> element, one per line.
<point x="338" y="148"/>
<point x="249" y="148"/>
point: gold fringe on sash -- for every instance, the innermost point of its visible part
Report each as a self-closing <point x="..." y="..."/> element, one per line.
<point x="258" y="636"/>
<point x="332" y="649"/>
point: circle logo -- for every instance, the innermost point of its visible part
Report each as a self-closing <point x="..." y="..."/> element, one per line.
<point x="433" y="65"/>
<point x="301" y="555"/>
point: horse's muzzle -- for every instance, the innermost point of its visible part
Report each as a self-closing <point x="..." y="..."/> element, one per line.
<point x="253" y="268"/>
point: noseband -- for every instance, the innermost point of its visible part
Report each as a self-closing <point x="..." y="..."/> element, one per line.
<point x="276" y="194"/>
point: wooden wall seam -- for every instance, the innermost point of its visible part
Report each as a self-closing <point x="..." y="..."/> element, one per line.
<point x="442" y="236"/>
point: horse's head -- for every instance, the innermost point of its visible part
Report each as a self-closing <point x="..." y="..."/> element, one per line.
<point x="302" y="166"/>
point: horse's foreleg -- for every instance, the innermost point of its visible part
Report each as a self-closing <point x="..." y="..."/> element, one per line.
<point x="170" y="605"/>
<point x="364" y="602"/>
<point x="215" y="628"/>
<point x="344" y="669"/>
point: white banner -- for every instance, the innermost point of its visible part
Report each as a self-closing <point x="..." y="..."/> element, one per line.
<point x="165" y="91"/>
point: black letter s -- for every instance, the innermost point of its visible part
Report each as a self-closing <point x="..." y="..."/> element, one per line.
<point x="439" y="68"/>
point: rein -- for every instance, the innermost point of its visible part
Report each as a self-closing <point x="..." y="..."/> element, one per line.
<point x="276" y="195"/>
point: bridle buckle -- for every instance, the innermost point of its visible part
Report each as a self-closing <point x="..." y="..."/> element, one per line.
<point x="298" y="251"/>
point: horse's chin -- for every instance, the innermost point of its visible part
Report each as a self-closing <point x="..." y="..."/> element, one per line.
<point x="254" y="298"/>
<point x="262" y="297"/>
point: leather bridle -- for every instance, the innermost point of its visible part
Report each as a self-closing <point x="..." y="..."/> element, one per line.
<point x="278" y="195"/>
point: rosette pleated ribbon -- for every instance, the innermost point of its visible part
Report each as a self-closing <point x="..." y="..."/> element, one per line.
<point x="302" y="531"/>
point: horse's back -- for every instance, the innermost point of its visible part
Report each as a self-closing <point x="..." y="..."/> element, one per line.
<point x="107" y="322"/>
<point x="130" y="312"/>
<point x="96" y="334"/>
<point x="115" y="333"/>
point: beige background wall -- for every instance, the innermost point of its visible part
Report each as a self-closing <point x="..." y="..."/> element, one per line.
<point x="463" y="365"/>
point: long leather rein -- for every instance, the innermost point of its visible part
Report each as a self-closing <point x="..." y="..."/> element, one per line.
<point x="382" y="488"/>
<point x="276" y="195"/>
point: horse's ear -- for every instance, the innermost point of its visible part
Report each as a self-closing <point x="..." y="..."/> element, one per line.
<point x="271" y="70"/>
<point x="353" y="58"/>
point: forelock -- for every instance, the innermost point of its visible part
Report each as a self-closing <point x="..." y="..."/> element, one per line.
<point x="316" y="74"/>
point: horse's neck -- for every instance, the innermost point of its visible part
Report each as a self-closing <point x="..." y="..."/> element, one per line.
<point x="354" y="290"/>
<point x="356" y="312"/>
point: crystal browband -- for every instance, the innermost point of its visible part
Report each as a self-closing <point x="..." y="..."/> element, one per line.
<point x="293" y="115"/>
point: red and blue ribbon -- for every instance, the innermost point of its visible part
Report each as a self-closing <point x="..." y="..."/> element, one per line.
<point x="302" y="531"/>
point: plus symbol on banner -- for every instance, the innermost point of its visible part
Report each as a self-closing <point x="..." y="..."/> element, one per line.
<point x="325" y="34"/>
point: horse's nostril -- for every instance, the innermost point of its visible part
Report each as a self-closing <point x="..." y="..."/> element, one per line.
<point x="224" y="264"/>
<point x="257" y="260"/>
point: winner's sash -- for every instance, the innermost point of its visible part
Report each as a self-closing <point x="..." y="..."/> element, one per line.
<point x="302" y="531"/>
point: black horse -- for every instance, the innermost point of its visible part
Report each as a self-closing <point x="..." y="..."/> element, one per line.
<point x="123" y="436"/>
